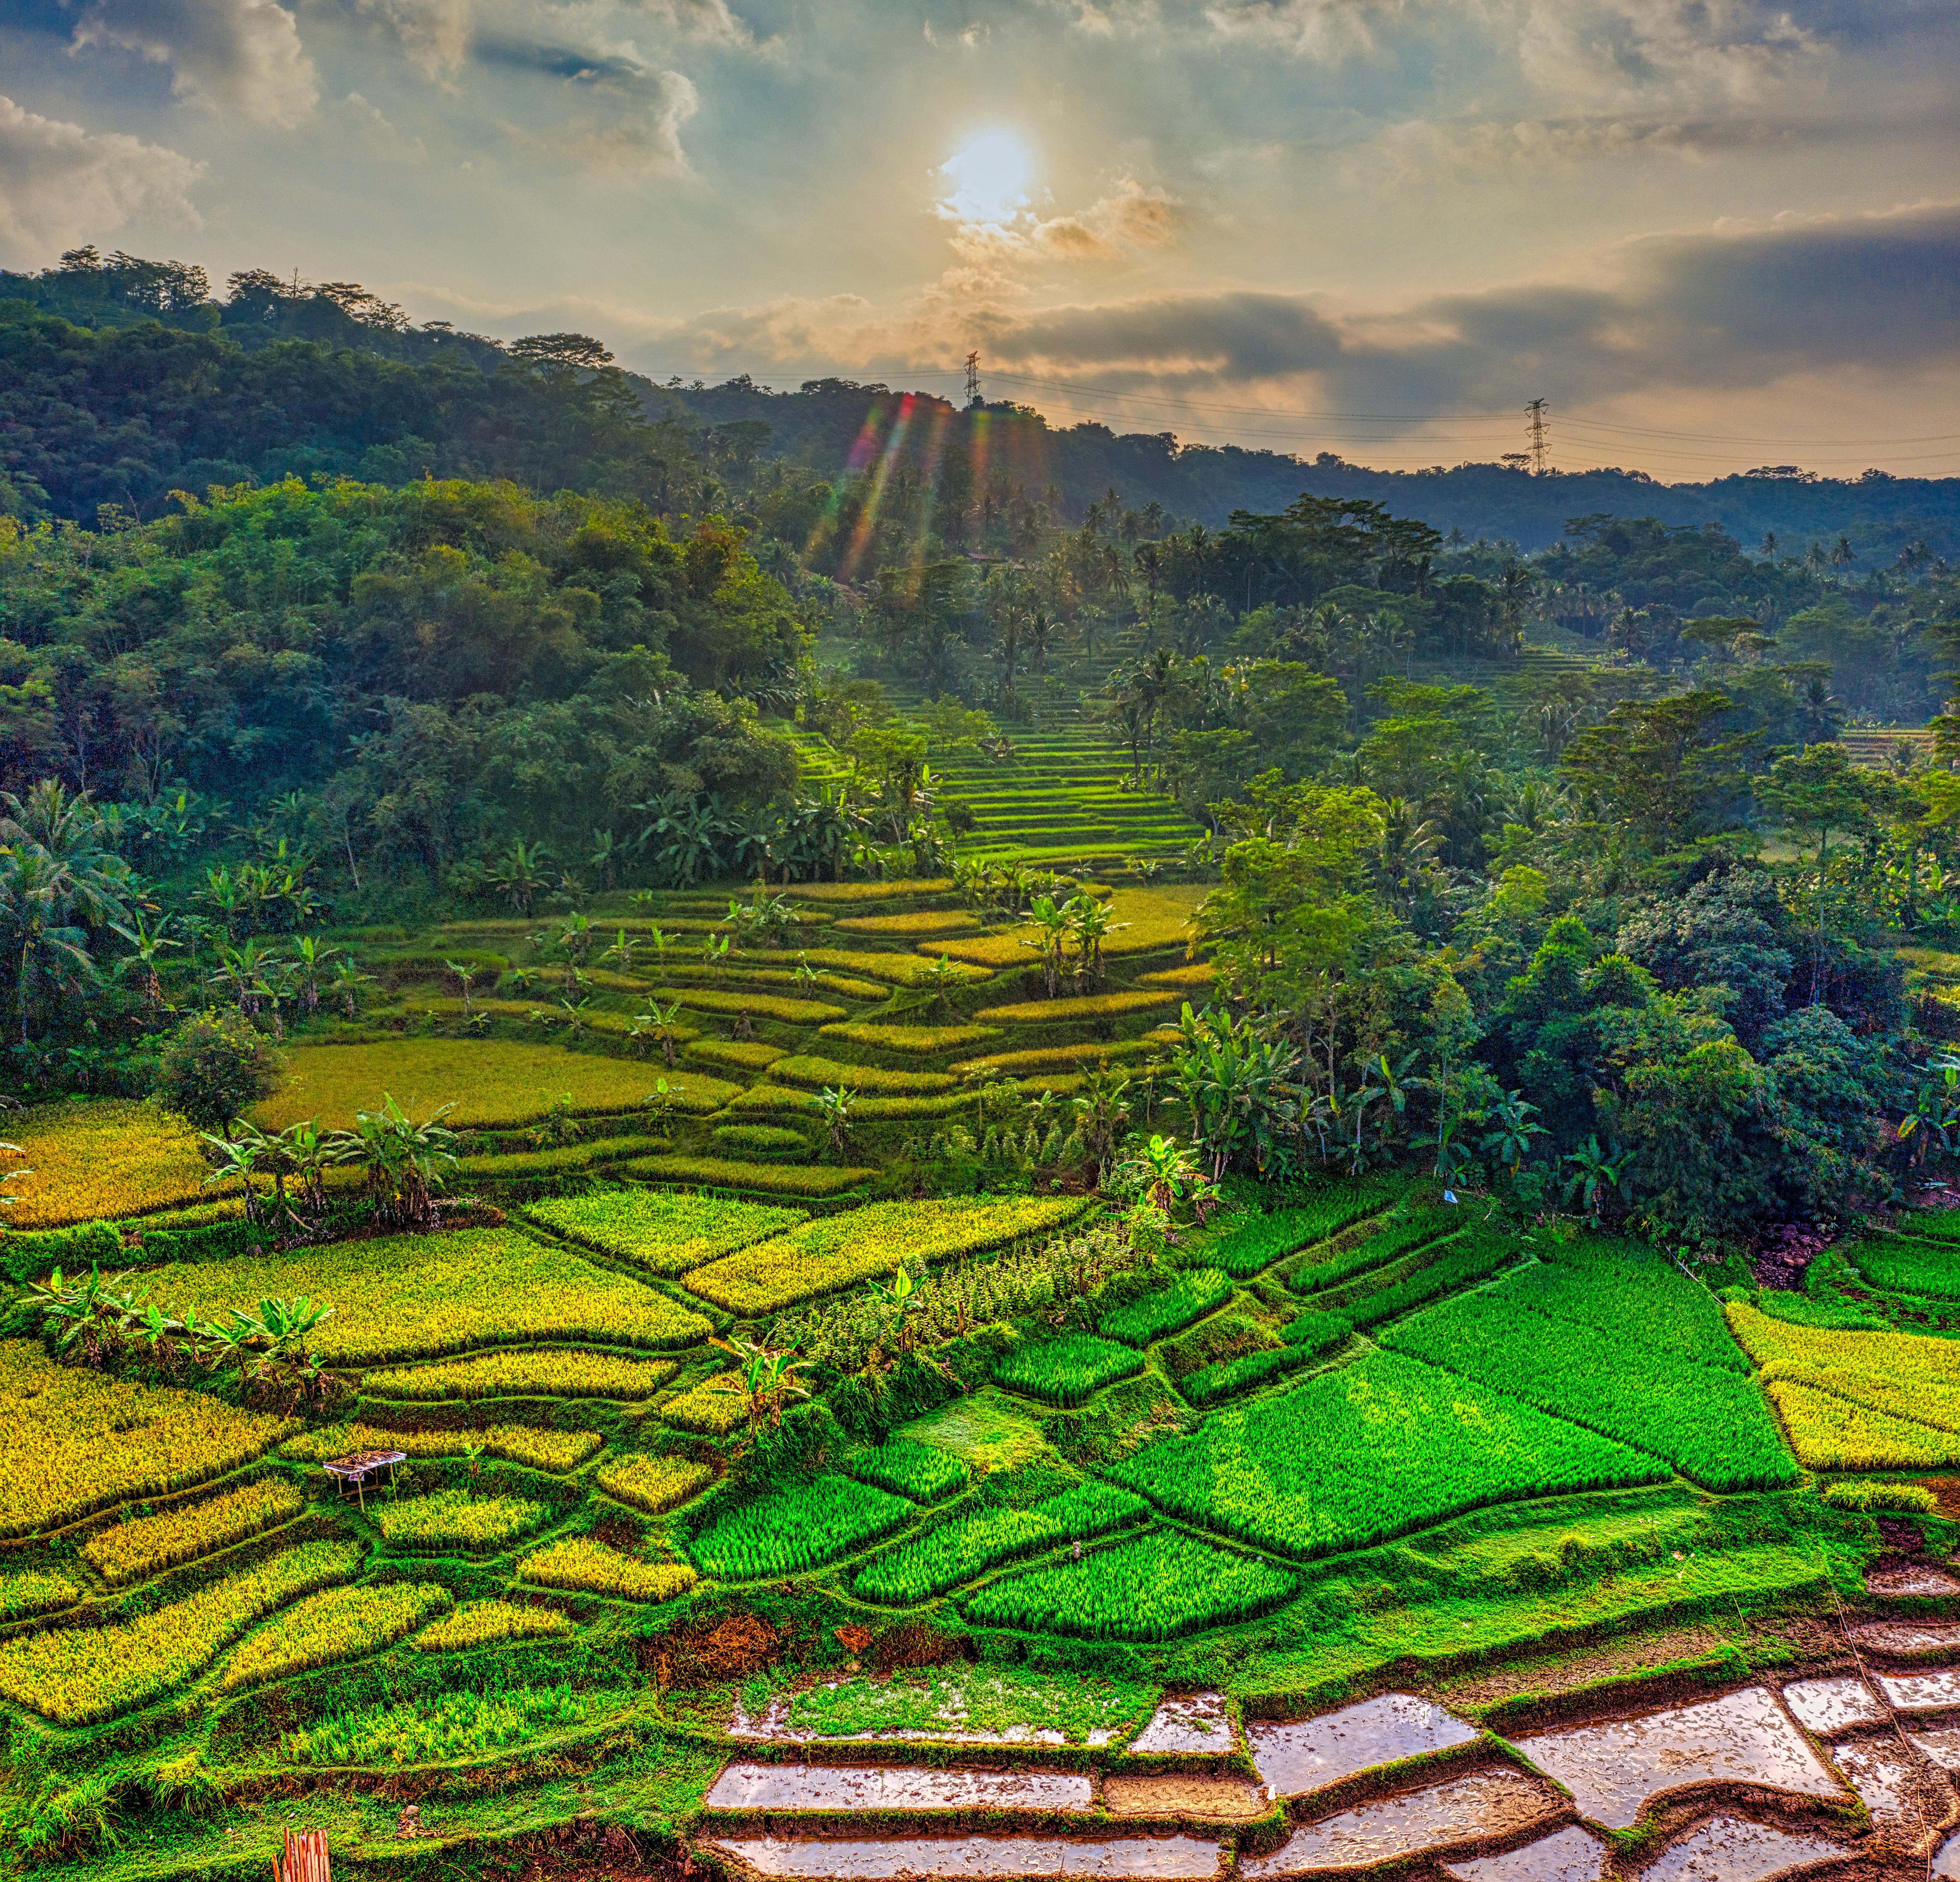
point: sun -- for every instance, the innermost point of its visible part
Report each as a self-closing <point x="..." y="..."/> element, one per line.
<point x="986" y="181"/>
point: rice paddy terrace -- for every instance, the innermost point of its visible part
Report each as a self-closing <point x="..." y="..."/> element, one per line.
<point x="1354" y="1533"/>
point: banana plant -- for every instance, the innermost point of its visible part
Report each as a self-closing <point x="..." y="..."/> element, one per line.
<point x="768" y="1376"/>
<point x="1594" y="1172"/>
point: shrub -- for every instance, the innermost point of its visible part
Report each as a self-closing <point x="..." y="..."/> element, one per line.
<point x="839" y="1251"/>
<point x="485" y="1623"/>
<point x="215" y="1068"/>
<point x="1094" y="1006"/>
<point x="338" y="1624"/>
<point x="662" y="1231"/>
<point x="1153" y="1588"/>
<point x="577" y="1561"/>
<point x="787" y="1530"/>
<point x="403" y="1297"/>
<point x="542" y="1371"/>
<point x="455" y="1518"/>
<point x="1068" y="1371"/>
<point x="76" y="1441"/>
<point x="1190" y="1297"/>
<point x="75" y="1675"/>
<point x="762" y="1140"/>
<point x="535" y="1448"/>
<point x="140" y="1546"/>
<point x="1916" y="1499"/>
<point x="651" y="1483"/>
<point x="914" y="1039"/>
<point x="1366" y="1451"/>
<point x="805" y="1068"/>
<point x="921" y="1472"/>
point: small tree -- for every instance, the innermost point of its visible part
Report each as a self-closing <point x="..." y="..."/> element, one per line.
<point x="215" y="1068"/>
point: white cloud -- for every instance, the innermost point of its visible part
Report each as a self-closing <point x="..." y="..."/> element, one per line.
<point x="60" y="183"/>
<point x="241" y="55"/>
<point x="434" y="34"/>
<point x="1709" y="52"/>
<point x="1316" y="28"/>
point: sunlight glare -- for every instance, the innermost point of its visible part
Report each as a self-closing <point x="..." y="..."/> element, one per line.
<point x="987" y="181"/>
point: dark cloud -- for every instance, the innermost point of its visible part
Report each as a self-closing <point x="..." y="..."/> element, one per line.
<point x="627" y="115"/>
<point x="1720" y="311"/>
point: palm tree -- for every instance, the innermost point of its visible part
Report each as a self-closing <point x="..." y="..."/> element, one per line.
<point x="37" y="906"/>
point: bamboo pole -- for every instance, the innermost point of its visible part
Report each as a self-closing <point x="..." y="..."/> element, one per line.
<point x="305" y="1859"/>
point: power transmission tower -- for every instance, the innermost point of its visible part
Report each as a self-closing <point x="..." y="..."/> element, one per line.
<point x="1537" y="430"/>
<point x="973" y="377"/>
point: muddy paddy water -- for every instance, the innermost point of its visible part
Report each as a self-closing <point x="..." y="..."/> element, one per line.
<point x="1486" y="1806"/>
<point x="984" y="1858"/>
<point x="853" y="1787"/>
<point x="1196" y="1724"/>
<point x="1293" y="1759"/>
<point x="1728" y="1849"/>
<point x="1824" y="1706"/>
<point x="1613" y="1768"/>
<point x="1570" y="1854"/>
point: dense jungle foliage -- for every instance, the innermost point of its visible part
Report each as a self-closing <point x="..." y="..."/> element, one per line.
<point x="1550" y="869"/>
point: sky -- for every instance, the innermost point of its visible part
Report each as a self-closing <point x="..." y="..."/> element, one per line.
<point x="1711" y="234"/>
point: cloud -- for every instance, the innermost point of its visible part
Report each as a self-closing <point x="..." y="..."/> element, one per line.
<point x="622" y="113"/>
<point x="1720" y="311"/>
<point x="60" y="183"/>
<point x="1616" y="52"/>
<point x="435" y="34"/>
<point x="713" y="22"/>
<point x="1314" y="29"/>
<point x="232" y="56"/>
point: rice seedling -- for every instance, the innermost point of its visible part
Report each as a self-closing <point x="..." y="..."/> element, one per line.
<point x="489" y="1080"/>
<point x="762" y="1140"/>
<point x="911" y="1039"/>
<point x="903" y="971"/>
<point x="1464" y="1258"/>
<point x="1901" y="1379"/>
<point x="1190" y="1297"/>
<point x="1708" y="1420"/>
<point x="507" y="1165"/>
<point x="714" y="1407"/>
<point x="538" y="1371"/>
<point x="535" y="1448"/>
<point x="29" y="1592"/>
<point x="785" y="1531"/>
<point x="1054" y="1058"/>
<point x="651" y="1483"/>
<point x="579" y="1562"/>
<point x="76" y="1675"/>
<point x="840" y="1250"/>
<point x="1365" y="1451"/>
<point x="725" y="1173"/>
<point x="335" y="1624"/>
<point x="77" y="1442"/>
<point x="485" y="1623"/>
<point x="761" y="1006"/>
<point x="437" y="1728"/>
<point x="662" y="1231"/>
<point x="807" y="1068"/>
<point x="1229" y="1376"/>
<point x="905" y="889"/>
<point x="1068" y="1371"/>
<point x="1919" y="1263"/>
<point x="749" y="1055"/>
<point x="1155" y="1587"/>
<point x="1254" y="1243"/>
<point x="1061" y="1012"/>
<point x="1867" y="1494"/>
<point x="446" y="1519"/>
<point x="144" y="1545"/>
<point x="100" y="1159"/>
<point x="915" y="924"/>
<point x="407" y="1297"/>
<point x="921" y="1472"/>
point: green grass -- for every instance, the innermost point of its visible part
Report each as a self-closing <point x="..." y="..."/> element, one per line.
<point x="787" y="1530"/>
<point x="1155" y="1587"/>
<point x="660" y="1230"/>
<point x="1189" y="1297"/>
<point x="1369" y="1450"/>
<point x="914" y="1471"/>
<point x="1068" y="1371"/>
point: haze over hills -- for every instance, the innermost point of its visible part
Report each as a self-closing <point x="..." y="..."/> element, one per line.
<point x="331" y="378"/>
